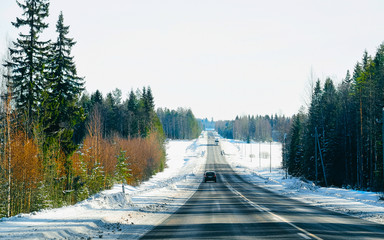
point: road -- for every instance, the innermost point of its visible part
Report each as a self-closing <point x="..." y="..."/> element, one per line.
<point x="235" y="209"/>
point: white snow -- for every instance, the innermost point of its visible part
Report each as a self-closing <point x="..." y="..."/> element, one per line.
<point x="366" y="205"/>
<point x="114" y="215"/>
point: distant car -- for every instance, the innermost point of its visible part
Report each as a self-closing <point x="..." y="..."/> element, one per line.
<point x="216" y="141"/>
<point x="210" y="176"/>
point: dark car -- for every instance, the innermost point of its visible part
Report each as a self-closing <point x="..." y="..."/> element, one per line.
<point x="210" y="176"/>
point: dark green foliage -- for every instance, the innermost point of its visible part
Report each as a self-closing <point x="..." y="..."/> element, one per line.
<point x="295" y="147"/>
<point x="29" y="59"/>
<point x="179" y="124"/>
<point x="122" y="168"/>
<point x="64" y="81"/>
<point x="112" y="114"/>
<point x="132" y="118"/>
<point x="61" y="111"/>
<point x="349" y="120"/>
<point x="131" y="107"/>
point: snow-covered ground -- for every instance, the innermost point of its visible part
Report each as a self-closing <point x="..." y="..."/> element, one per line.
<point x="366" y="205"/>
<point x="114" y="215"/>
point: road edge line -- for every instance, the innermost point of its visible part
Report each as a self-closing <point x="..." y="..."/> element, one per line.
<point x="264" y="209"/>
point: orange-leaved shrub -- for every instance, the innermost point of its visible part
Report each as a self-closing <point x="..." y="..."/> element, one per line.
<point x="96" y="160"/>
<point x="26" y="172"/>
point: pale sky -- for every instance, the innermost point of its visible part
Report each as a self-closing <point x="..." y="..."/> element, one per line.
<point x="220" y="58"/>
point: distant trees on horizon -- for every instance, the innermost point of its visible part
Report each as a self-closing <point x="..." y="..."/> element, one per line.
<point x="179" y="124"/>
<point x="256" y="128"/>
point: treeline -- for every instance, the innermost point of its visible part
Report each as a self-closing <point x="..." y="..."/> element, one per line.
<point x="257" y="128"/>
<point x="339" y="141"/>
<point x="179" y="124"/>
<point x="59" y="144"/>
<point x="130" y="118"/>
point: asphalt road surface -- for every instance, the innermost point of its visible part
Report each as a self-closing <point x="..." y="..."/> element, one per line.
<point x="235" y="209"/>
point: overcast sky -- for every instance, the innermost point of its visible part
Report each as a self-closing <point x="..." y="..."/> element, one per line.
<point x="220" y="58"/>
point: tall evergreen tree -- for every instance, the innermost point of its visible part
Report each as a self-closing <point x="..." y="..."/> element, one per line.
<point x="347" y="119"/>
<point x="111" y="114"/>
<point x="29" y="58"/>
<point x="295" y="148"/>
<point x="96" y="98"/>
<point x="64" y="81"/>
<point x="132" y="109"/>
<point x="314" y="121"/>
<point x="59" y="111"/>
<point x="62" y="91"/>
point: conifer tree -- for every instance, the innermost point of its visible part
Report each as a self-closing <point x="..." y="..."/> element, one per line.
<point x="29" y="57"/>
<point x="295" y="148"/>
<point x="96" y="98"/>
<point x="132" y="109"/>
<point x="148" y="110"/>
<point x="64" y="81"/>
<point x="111" y="115"/>
<point x="59" y="111"/>
<point x="63" y="90"/>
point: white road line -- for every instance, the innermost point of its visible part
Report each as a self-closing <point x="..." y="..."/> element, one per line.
<point x="303" y="236"/>
<point x="264" y="209"/>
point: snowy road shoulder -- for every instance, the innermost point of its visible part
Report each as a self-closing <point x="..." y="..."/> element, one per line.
<point x="260" y="163"/>
<point x="114" y="215"/>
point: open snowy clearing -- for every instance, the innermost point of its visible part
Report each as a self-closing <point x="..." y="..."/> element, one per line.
<point x="114" y="215"/>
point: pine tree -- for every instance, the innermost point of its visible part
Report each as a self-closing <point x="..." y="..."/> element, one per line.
<point x="29" y="58"/>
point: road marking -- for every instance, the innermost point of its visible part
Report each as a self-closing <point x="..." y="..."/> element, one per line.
<point x="264" y="209"/>
<point x="303" y="236"/>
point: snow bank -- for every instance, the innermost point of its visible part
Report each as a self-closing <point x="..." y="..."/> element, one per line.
<point x="111" y="214"/>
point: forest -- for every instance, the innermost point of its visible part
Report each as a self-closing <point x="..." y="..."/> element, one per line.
<point x="338" y="141"/>
<point x="59" y="144"/>
<point x="257" y="128"/>
<point x="179" y="124"/>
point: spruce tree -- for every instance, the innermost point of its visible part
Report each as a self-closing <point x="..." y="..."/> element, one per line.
<point x="132" y="110"/>
<point x="64" y="82"/>
<point x="62" y="92"/>
<point x="29" y="57"/>
<point x="96" y="98"/>
<point x="60" y="112"/>
<point x="295" y="148"/>
<point x="149" y="109"/>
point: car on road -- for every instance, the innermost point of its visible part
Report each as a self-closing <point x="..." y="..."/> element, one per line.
<point x="209" y="176"/>
<point x="217" y="142"/>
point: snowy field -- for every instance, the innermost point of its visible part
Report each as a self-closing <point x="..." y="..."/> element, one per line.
<point x="114" y="215"/>
<point x="264" y="169"/>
